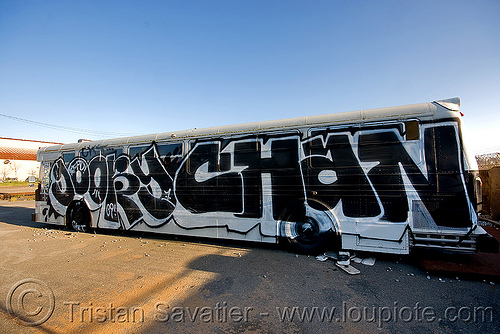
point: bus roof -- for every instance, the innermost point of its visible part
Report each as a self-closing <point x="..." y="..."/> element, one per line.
<point x="433" y="110"/>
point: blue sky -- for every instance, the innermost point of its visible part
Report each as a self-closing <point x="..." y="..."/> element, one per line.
<point x="139" y="67"/>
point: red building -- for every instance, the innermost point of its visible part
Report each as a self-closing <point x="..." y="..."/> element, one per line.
<point x="18" y="158"/>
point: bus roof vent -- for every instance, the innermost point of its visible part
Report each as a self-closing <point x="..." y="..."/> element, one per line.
<point x="452" y="104"/>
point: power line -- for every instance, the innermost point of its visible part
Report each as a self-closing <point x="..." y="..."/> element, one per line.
<point x="67" y="128"/>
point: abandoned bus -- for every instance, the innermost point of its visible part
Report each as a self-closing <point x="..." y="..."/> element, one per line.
<point x="381" y="180"/>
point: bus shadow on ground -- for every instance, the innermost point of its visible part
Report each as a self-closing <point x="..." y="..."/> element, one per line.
<point x="16" y="215"/>
<point x="21" y="216"/>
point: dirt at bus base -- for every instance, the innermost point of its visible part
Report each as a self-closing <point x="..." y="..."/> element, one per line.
<point x="127" y="282"/>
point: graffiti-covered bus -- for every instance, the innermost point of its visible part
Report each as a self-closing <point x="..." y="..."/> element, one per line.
<point x="380" y="180"/>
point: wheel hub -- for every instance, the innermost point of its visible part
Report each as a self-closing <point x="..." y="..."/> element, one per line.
<point x="307" y="228"/>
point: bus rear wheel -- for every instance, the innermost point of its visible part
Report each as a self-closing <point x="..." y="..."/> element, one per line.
<point x="304" y="233"/>
<point x="79" y="217"/>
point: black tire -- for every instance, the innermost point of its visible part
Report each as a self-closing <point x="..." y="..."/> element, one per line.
<point x="79" y="217"/>
<point x="304" y="234"/>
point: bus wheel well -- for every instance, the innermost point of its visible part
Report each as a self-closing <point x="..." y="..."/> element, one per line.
<point x="78" y="216"/>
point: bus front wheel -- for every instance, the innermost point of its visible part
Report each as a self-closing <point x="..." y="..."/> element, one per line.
<point x="79" y="217"/>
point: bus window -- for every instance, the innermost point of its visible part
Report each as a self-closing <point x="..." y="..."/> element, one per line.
<point x="201" y="154"/>
<point x="111" y="150"/>
<point x="412" y="130"/>
<point x="170" y="156"/>
<point x="285" y="154"/>
<point x="337" y="151"/>
<point x="166" y="150"/>
<point x="90" y="152"/>
<point x="136" y="150"/>
<point x="246" y="152"/>
<point x="225" y="162"/>
<point x="67" y="157"/>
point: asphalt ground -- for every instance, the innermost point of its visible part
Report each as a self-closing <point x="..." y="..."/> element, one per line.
<point x="54" y="280"/>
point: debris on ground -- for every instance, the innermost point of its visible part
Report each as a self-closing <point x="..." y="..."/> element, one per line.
<point x="322" y="257"/>
<point x="348" y="268"/>
<point x="369" y="261"/>
<point x="343" y="260"/>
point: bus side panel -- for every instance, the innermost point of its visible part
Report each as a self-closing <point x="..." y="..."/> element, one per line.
<point x="374" y="180"/>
